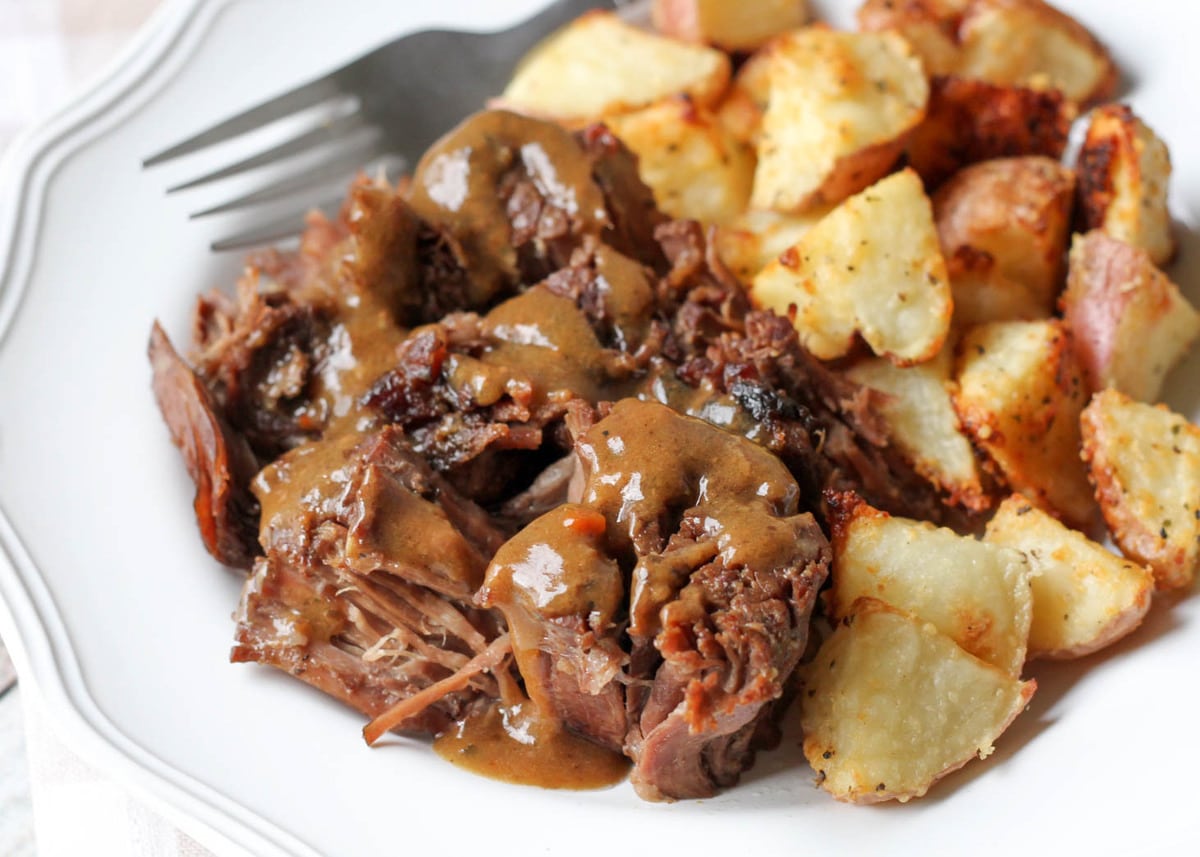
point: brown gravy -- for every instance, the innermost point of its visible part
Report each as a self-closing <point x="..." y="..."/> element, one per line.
<point x="456" y="183"/>
<point x="507" y="743"/>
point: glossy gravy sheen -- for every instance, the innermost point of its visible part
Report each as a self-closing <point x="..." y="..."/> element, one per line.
<point x="507" y="743"/>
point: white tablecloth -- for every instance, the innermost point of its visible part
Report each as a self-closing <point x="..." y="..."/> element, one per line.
<point x="49" y="50"/>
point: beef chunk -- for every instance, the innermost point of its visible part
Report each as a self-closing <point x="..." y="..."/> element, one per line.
<point x="695" y="533"/>
<point x="219" y="461"/>
<point x="365" y="590"/>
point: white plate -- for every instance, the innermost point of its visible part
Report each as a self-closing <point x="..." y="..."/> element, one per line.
<point x="122" y="623"/>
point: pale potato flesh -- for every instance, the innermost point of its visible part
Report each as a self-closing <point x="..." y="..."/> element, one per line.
<point x="977" y="594"/>
<point x="696" y="168"/>
<point x="1029" y="42"/>
<point x="982" y="293"/>
<point x="928" y="25"/>
<point x="919" y="412"/>
<point x="1020" y="393"/>
<point x="1145" y="462"/>
<point x="839" y="110"/>
<point x="872" y="266"/>
<point x="598" y="65"/>
<point x="889" y="705"/>
<point x="1124" y="169"/>
<point x="741" y="110"/>
<point x="1084" y="597"/>
<point x="754" y="239"/>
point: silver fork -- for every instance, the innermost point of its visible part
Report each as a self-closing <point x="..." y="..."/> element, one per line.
<point x="395" y="101"/>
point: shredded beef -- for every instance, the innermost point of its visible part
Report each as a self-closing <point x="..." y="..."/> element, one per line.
<point x="218" y="459"/>
<point x="512" y="404"/>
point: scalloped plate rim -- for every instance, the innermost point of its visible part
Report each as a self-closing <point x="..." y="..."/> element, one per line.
<point x="33" y="630"/>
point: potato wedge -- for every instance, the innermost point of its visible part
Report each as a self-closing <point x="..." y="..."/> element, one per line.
<point x="741" y="110"/>
<point x="1145" y="463"/>
<point x="598" y="66"/>
<point x="982" y="293"/>
<point x="840" y="110"/>
<point x="930" y="26"/>
<point x="919" y="412"/>
<point x="754" y="239"/>
<point x="972" y="120"/>
<point x="889" y="706"/>
<point x="1084" y="597"/>
<point x="695" y="167"/>
<point x="977" y="594"/>
<point x="742" y="26"/>
<point x="1016" y="211"/>
<point x="1123" y="173"/>
<point x="1030" y="43"/>
<point x="1020" y="393"/>
<point x="873" y="267"/>
<point x="1130" y="324"/>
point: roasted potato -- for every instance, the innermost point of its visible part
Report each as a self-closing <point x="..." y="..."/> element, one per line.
<point x="1084" y="597"/>
<point x="1020" y="393"/>
<point x="695" y="167"/>
<point x="840" y="109"/>
<point x="1017" y="211"/>
<point x="741" y="26"/>
<point x="1145" y="463"/>
<point x="972" y="120"/>
<point x="598" y="66"/>
<point x="1029" y="43"/>
<point x="741" y="110"/>
<point x="1130" y="324"/>
<point x="1123" y="173"/>
<point x="930" y="26"/>
<point x="872" y="266"/>
<point x="754" y="239"/>
<point x="889" y="705"/>
<point x="982" y="293"/>
<point x="919" y="412"/>
<point x="977" y="594"/>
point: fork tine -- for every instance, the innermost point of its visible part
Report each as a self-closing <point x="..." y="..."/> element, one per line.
<point x="346" y="161"/>
<point x="282" y="227"/>
<point x="327" y="132"/>
<point x="308" y="95"/>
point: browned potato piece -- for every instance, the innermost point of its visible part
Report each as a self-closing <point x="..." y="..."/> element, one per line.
<point x="695" y="167"/>
<point x="1129" y="322"/>
<point x="975" y="593"/>
<point x="599" y="66"/>
<point x="1145" y="463"/>
<point x="889" y="706"/>
<point x="919" y="412"/>
<point x="1084" y="597"/>
<point x="1123" y="172"/>
<point x="871" y="267"/>
<point x="754" y="239"/>
<point x="840" y="110"/>
<point x="741" y="26"/>
<point x="1020" y="395"/>
<point x="1017" y="211"/>
<point x="741" y="110"/>
<point x="982" y="292"/>
<point x="972" y="120"/>
<point x="1029" y="43"/>
<point x="931" y="27"/>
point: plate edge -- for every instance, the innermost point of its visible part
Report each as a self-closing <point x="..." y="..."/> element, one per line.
<point x="33" y="630"/>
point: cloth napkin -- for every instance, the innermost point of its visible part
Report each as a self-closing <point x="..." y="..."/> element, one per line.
<point x="49" y="51"/>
